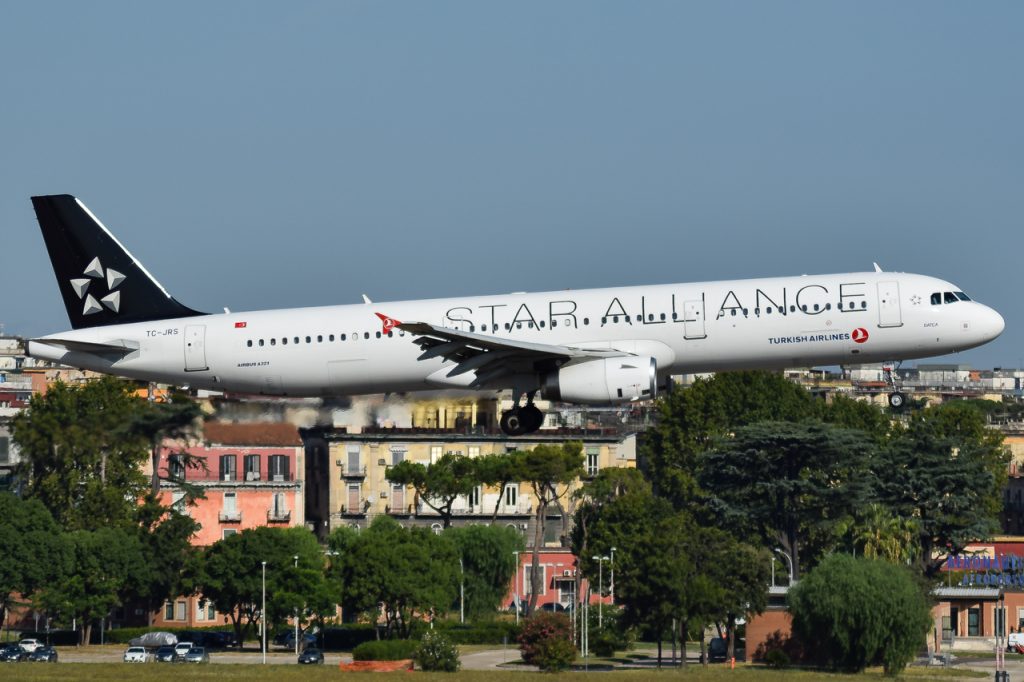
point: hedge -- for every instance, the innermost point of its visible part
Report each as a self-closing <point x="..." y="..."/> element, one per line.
<point x="386" y="650"/>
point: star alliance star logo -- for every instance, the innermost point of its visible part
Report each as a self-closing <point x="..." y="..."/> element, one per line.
<point x="915" y="300"/>
<point x="112" y="301"/>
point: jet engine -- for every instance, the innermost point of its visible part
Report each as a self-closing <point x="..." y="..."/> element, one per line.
<point x="603" y="381"/>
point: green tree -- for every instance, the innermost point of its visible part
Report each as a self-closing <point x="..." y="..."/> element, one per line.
<point x="165" y="539"/>
<point x="692" y="420"/>
<point x="438" y="484"/>
<point x="549" y="469"/>
<point x="230" y="573"/>
<point x="79" y="459"/>
<point x="945" y="472"/>
<point x="32" y="550"/>
<point x="785" y="481"/>
<point x="488" y="564"/>
<point x="409" y="573"/>
<point x="497" y="471"/>
<point x="850" y="613"/>
<point x="102" y="566"/>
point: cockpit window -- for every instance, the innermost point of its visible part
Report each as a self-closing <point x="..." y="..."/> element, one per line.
<point x="936" y="298"/>
<point x="962" y="296"/>
<point x="949" y="297"/>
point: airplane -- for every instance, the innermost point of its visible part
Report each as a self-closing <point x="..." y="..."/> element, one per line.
<point x="594" y="346"/>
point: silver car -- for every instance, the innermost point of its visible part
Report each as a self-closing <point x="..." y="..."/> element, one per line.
<point x="197" y="654"/>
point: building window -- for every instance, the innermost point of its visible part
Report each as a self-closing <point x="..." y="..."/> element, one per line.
<point x="228" y="468"/>
<point x="178" y="501"/>
<point x="279" y="468"/>
<point x="511" y="494"/>
<point x="474" y="497"/>
<point x="229" y="512"/>
<point x="200" y="611"/>
<point x="211" y="613"/>
<point x="398" y="498"/>
<point x="474" y="450"/>
<point x="180" y="612"/>
<point x="1000" y="622"/>
<point x="974" y="622"/>
<point x="353" y="460"/>
<point x="280" y="510"/>
<point x="354" y="506"/>
<point x="397" y="456"/>
<point x="593" y="461"/>
<point x="169" y="611"/>
<point x="528" y="583"/>
<point x="435" y="453"/>
<point x="175" y="467"/>
<point x="228" y="532"/>
<point x="252" y="467"/>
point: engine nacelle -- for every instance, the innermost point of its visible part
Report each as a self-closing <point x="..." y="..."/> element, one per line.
<point x="603" y="381"/>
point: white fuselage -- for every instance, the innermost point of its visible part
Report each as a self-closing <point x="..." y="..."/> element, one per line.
<point x="697" y="327"/>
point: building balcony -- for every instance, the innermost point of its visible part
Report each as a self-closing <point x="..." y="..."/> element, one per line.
<point x="359" y="510"/>
<point x="353" y="472"/>
<point x="279" y="515"/>
<point x="230" y="517"/>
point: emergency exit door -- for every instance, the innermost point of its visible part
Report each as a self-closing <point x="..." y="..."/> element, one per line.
<point x="195" y="348"/>
<point x="693" y="320"/>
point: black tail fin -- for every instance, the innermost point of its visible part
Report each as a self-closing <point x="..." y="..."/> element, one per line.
<point x="100" y="281"/>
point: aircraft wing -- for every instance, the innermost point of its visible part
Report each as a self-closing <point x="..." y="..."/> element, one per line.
<point x="492" y="357"/>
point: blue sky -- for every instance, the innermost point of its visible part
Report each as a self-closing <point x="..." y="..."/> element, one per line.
<point x="259" y="155"/>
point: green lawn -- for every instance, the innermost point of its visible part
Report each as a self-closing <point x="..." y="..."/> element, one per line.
<point x="99" y="672"/>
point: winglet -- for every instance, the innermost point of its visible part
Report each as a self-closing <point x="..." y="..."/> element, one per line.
<point x="877" y="269"/>
<point x="389" y="322"/>
<point x="366" y="299"/>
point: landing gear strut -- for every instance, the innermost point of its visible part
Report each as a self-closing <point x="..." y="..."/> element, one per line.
<point x="897" y="399"/>
<point x="521" y="420"/>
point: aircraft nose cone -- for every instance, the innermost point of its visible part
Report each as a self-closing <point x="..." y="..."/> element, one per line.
<point x="994" y="324"/>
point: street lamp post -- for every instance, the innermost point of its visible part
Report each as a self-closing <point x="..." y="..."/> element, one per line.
<point x="789" y="563"/>
<point x="263" y="612"/>
<point x="296" y="558"/>
<point x="600" y="589"/>
<point x="611" y="587"/>
<point x="515" y="604"/>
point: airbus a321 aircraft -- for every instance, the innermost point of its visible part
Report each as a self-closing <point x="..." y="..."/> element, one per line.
<point x="596" y="346"/>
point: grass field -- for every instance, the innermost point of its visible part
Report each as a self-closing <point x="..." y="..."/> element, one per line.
<point x="99" y="672"/>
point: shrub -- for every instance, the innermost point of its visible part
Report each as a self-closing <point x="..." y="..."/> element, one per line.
<point x="850" y="613"/>
<point x="386" y="650"/>
<point x="437" y="653"/>
<point x="776" y="658"/>
<point x="546" y="641"/>
<point x="486" y="632"/>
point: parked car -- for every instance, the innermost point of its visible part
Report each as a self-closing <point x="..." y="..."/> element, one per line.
<point x="181" y="648"/>
<point x="311" y="655"/>
<point x="136" y="654"/>
<point x="12" y="653"/>
<point x="219" y="639"/>
<point x="44" y="654"/>
<point x="166" y="654"/>
<point x="197" y="654"/>
<point x="554" y="607"/>
<point x="306" y="639"/>
<point x="718" y="649"/>
<point x="30" y="645"/>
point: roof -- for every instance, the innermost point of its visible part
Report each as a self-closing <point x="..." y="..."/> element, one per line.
<point x="274" y="434"/>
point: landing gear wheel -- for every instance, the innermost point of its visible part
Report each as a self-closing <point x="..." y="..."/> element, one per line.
<point x="531" y="417"/>
<point x="512" y="422"/>
<point x="897" y="400"/>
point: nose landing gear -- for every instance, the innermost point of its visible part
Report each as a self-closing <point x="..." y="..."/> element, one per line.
<point x="897" y="399"/>
<point x="521" y="420"/>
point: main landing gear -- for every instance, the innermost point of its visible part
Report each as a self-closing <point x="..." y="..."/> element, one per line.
<point x="897" y="399"/>
<point x="521" y="420"/>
